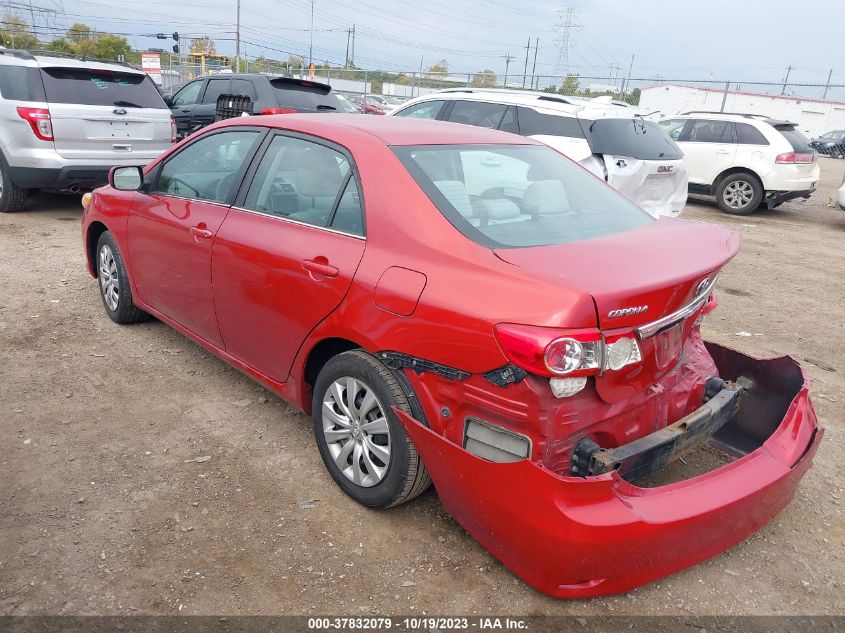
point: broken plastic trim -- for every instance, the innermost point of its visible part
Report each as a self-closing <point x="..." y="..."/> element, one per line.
<point x="507" y="375"/>
<point x="398" y="360"/>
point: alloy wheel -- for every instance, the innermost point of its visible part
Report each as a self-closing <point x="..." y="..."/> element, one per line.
<point x="738" y="194"/>
<point x="356" y="431"/>
<point x="109" y="283"/>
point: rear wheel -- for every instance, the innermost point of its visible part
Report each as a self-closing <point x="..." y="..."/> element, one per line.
<point x="363" y="445"/>
<point x="114" y="283"/>
<point x="739" y="194"/>
<point x="12" y="197"/>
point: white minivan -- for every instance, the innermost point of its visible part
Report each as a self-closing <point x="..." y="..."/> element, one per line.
<point x="611" y="139"/>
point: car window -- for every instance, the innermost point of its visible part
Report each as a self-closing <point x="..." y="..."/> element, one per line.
<point x="243" y="87"/>
<point x="478" y="113"/>
<point x="749" y="135"/>
<point x="301" y="180"/>
<point x="304" y="95"/>
<point x="100" y="87"/>
<point x="423" y="110"/>
<point x="215" y="88"/>
<point x="533" y="123"/>
<point x="799" y="142"/>
<point x="187" y="95"/>
<point x="349" y="218"/>
<point x="518" y="195"/>
<point x="207" y="168"/>
<point x="673" y="127"/>
<point x="21" y="83"/>
<point x="509" y="123"/>
<point x="704" y="131"/>
<point x="636" y="138"/>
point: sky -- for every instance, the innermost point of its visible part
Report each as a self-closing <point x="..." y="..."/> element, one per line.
<point x="754" y="40"/>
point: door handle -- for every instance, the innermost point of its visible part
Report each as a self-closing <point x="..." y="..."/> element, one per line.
<point x="320" y="266"/>
<point x="200" y="232"/>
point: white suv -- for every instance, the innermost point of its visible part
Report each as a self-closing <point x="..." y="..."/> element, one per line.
<point x="65" y="122"/>
<point x="611" y="139"/>
<point x="745" y="160"/>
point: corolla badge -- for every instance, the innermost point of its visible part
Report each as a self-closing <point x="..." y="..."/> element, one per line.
<point x="119" y="110"/>
<point x="627" y="311"/>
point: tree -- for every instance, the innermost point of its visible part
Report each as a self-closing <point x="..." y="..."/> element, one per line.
<point x="15" y="33"/>
<point x="483" y="79"/>
<point x="60" y="45"/>
<point x="107" y="46"/>
<point x="79" y="32"/>
<point x="203" y="46"/>
<point x="633" y="97"/>
<point x="570" y="86"/>
<point x="441" y="67"/>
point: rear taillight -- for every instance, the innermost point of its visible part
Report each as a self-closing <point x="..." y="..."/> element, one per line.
<point x="39" y="121"/>
<point x="551" y="352"/>
<point x="793" y="158"/>
<point x="174" y="132"/>
<point x="277" y="111"/>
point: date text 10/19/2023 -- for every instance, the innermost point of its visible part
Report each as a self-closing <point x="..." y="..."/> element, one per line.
<point x="423" y="623"/>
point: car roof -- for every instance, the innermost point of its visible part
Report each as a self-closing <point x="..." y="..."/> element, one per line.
<point x="388" y="130"/>
<point x="51" y="59"/>
<point x="731" y="116"/>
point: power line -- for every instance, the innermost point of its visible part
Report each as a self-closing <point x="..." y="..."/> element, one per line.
<point x="566" y="29"/>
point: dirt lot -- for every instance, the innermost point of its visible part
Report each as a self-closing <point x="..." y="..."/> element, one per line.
<point x="102" y="514"/>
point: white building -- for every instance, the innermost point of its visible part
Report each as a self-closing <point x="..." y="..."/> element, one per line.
<point x="813" y="116"/>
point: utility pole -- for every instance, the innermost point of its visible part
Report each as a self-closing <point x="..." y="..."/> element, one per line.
<point x="525" y="68"/>
<point x="346" y="59"/>
<point x="508" y="59"/>
<point x="566" y="29"/>
<point x="827" y="85"/>
<point x="627" y="84"/>
<point x="534" y="67"/>
<point x="311" y="41"/>
<point x="789" y="69"/>
<point x="352" y="59"/>
<point x="238" y="38"/>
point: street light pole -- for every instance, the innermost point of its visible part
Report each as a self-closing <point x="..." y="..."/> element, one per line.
<point x="311" y="41"/>
<point x="238" y="38"/>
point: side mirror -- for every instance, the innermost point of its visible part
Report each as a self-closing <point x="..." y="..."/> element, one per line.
<point x="168" y="100"/>
<point x="126" y="178"/>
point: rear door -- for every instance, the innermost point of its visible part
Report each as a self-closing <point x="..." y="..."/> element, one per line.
<point x="105" y="114"/>
<point x="287" y="251"/>
<point x="709" y="149"/>
<point x="204" y="112"/>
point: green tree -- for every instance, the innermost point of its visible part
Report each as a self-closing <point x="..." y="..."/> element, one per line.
<point x="60" y="45"/>
<point x="483" y="79"/>
<point x="633" y="97"/>
<point x="15" y="33"/>
<point x="570" y="86"/>
<point x="112" y="47"/>
<point x="441" y="67"/>
<point x="79" y="32"/>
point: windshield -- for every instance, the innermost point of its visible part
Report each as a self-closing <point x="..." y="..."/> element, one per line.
<point x="518" y="195"/>
<point x="834" y="136"/>
<point x="345" y="105"/>
<point x="635" y="138"/>
<point x="392" y="100"/>
<point x="100" y="87"/>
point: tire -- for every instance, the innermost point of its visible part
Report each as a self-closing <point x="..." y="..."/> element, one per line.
<point x="113" y="282"/>
<point x="739" y="194"/>
<point x="380" y="470"/>
<point x="12" y="197"/>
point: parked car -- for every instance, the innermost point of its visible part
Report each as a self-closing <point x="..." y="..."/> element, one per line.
<point x="840" y="195"/>
<point x="615" y="143"/>
<point x="830" y="144"/>
<point x="520" y="333"/>
<point x="66" y="122"/>
<point x="744" y="160"/>
<point x="364" y="106"/>
<point x="388" y="103"/>
<point x="194" y="105"/>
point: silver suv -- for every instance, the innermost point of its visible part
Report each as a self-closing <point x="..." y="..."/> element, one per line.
<point x="65" y="122"/>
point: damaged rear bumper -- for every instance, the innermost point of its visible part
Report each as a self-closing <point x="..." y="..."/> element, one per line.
<point x="574" y="537"/>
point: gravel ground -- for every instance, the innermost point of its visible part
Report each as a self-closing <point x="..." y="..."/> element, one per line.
<point x="105" y="513"/>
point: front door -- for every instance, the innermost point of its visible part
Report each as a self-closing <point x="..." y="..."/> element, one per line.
<point x="286" y="254"/>
<point x="182" y="105"/>
<point x="205" y="111"/>
<point x="172" y="227"/>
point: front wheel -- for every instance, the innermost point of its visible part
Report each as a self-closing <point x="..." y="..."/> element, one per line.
<point x="739" y="194"/>
<point x="114" y="283"/>
<point x="362" y="444"/>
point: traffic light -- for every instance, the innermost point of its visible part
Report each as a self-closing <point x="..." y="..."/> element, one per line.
<point x="176" y="48"/>
<point x="175" y="36"/>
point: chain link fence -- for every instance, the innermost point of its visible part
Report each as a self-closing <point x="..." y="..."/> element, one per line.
<point x="816" y="108"/>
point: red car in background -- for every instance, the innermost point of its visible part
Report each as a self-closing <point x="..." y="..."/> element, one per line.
<point x="465" y="306"/>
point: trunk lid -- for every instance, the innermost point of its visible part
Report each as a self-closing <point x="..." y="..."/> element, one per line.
<point x="105" y="114"/>
<point x="636" y="278"/>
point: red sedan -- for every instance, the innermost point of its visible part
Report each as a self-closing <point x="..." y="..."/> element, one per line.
<point x="464" y="306"/>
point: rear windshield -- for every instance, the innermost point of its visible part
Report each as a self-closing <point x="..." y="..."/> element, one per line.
<point x="799" y="142"/>
<point x="518" y="195"/>
<point x="21" y="83"/>
<point x="636" y="138"/>
<point x="305" y="95"/>
<point x="101" y="88"/>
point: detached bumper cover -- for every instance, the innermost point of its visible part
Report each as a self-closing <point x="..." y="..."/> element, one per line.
<point x="574" y="537"/>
